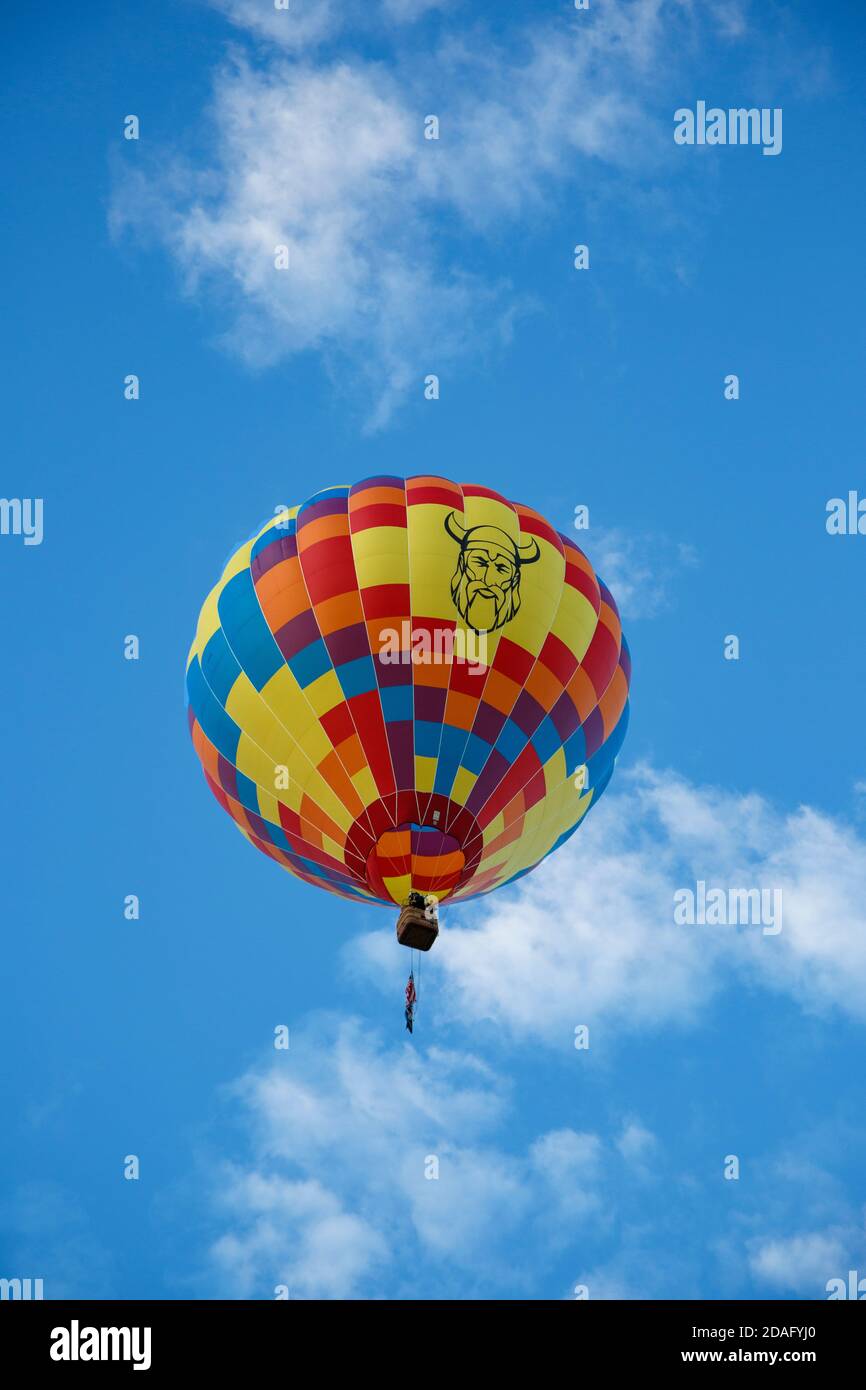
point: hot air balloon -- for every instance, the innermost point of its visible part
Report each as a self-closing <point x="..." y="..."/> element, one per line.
<point x="408" y="691"/>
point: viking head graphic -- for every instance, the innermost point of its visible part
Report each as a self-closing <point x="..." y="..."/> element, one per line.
<point x="486" y="583"/>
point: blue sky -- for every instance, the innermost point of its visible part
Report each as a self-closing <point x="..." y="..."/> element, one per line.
<point x="558" y="1167"/>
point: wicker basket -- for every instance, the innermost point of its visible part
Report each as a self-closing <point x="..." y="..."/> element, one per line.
<point x="415" y="930"/>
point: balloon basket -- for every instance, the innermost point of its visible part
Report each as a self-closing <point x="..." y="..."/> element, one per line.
<point x="415" y="929"/>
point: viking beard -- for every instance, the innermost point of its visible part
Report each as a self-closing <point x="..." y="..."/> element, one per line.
<point x="484" y="607"/>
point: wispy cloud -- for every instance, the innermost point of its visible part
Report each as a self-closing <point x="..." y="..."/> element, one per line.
<point x="641" y="569"/>
<point x="593" y="936"/>
<point x="328" y="157"/>
<point x="801" y="1263"/>
<point x="305" y="24"/>
<point x="302" y="25"/>
<point x="293" y="1232"/>
<point x="365" y="1159"/>
<point x="375" y="1170"/>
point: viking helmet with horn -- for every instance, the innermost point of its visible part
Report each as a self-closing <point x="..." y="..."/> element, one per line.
<point x="492" y="535"/>
<point x="485" y="586"/>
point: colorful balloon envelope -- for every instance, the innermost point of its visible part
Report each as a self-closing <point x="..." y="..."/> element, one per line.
<point x="408" y="686"/>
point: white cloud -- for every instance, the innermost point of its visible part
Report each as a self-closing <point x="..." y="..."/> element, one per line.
<point x="306" y="24"/>
<point x="325" y="162"/>
<point x="334" y="1194"/>
<point x="640" y="569"/>
<point x="592" y="939"/>
<point x="335" y="1190"/>
<point x="383" y="225"/>
<point x="572" y="1167"/>
<point x="303" y="25"/>
<point x="801" y="1263"/>
<point x="293" y="1233"/>
<point x="636" y="1143"/>
<point x="664" y="1251"/>
<point x="729" y="17"/>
